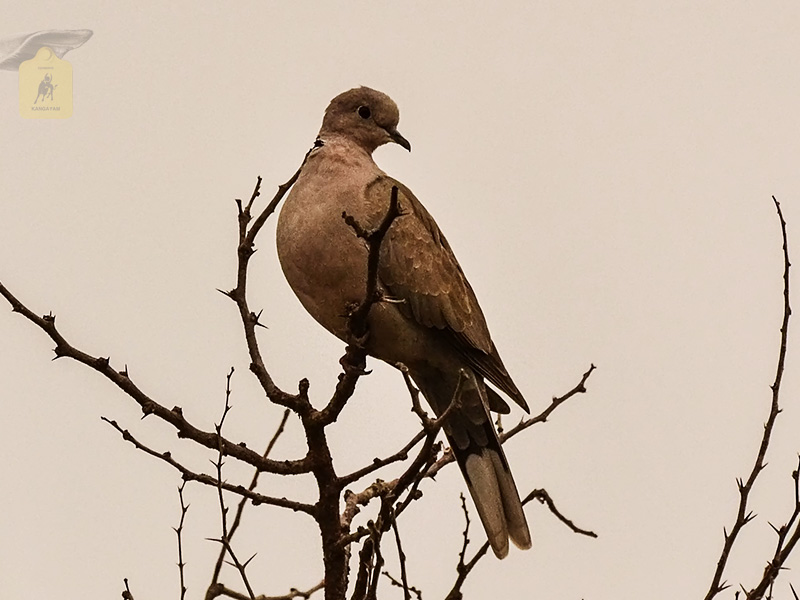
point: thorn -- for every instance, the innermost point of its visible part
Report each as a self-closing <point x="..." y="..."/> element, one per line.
<point x="247" y="562"/>
<point x="255" y="319"/>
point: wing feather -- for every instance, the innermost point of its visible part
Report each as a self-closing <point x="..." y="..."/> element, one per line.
<point x="418" y="266"/>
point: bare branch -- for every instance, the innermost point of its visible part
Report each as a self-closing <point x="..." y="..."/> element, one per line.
<point x="394" y="582"/>
<point x="402" y="558"/>
<point x="225" y="539"/>
<point x="358" y="316"/>
<point x="172" y="416"/>
<point x="463" y="568"/>
<point x="543" y="497"/>
<point x="245" y="250"/>
<point x="205" y="479"/>
<point x="220" y="589"/>
<point x="127" y="595"/>
<point x="179" y="531"/>
<point x="743" y="515"/>
<point x="580" y="388"/>
<point x="783" y="548"/>
<point x="240" y="508"/>
<point x="379" y="463"/>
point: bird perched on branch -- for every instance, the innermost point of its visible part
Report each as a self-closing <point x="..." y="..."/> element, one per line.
<point x="428" y="317"/>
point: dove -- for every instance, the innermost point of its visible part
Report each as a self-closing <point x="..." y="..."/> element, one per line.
<point x="428" y="318"/>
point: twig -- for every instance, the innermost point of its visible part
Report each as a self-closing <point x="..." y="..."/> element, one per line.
<point x="580" y="388"/>
<point x="394" y="582"/>
<point x="401" y="557"/>
<point x="225" y="539"/>
<point x="179" y="531"/>
<point x="743" y="515"/>
<point x="784" y="547"/>
<point x="429" y="424"/>
<point x="543" y="497"/>
<point x="372" y="594"/>
<point x="245" y="251"/>
<point x="205" y="479"/>
<point x="220" y="589"/>
<point x="358" y="317"/>
<point x="127" y="595"/>
<point x="149" y="406"/>
<point x="463" y="568"/>
<point x="379" y="463"/>
<point x="365" y="556"/>
<point x="240" y="508"/>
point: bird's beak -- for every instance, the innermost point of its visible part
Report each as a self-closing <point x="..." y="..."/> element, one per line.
<point x="399" y="139"/>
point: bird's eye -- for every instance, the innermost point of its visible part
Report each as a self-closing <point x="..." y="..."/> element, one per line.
<point x="364" y="112"/>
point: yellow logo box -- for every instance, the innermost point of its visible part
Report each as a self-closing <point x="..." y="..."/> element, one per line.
<point x="45" y="87"/>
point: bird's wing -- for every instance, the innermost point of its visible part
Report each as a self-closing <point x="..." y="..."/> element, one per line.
<point x="418" y="266"/>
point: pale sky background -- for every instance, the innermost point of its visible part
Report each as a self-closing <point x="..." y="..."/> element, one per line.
<point x="604" y="172"/>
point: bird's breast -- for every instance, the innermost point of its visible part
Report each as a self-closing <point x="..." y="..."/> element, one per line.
<point x="323" y="259"/>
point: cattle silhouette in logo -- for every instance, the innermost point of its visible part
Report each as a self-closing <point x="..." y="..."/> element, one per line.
<point x="46" y="88"/>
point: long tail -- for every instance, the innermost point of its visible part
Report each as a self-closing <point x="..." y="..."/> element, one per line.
<point x="483" y="463"/>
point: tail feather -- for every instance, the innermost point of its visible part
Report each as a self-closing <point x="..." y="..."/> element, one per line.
<point x="480" y="456"/>
<point x="483" y="486"/>
<point x="512" y="506"/>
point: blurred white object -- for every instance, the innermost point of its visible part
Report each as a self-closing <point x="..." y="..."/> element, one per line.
<point x="17" y="49"/>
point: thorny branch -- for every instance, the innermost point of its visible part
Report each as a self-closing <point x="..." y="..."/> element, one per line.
<point x="219" y="589"/>
<point x="179" y="532"/>
<point x="465" y="567"/>
<point x="240" y="508"/>
<point x="334" y="521"/>
<point x="225" y="538"/>
<point x="174" y="416"/>
<point x="205" y="479"/>
<point x="743" y="514"/>
<point x="580" y="388"/>
<point x="358" y="316"/>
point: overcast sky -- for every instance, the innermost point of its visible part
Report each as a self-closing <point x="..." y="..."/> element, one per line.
<point x="604" y="173"/>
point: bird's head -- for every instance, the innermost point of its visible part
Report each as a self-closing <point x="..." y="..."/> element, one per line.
<point x="363" y="115"/>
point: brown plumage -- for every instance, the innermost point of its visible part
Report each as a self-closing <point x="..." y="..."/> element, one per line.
<point x="437" y="330"/>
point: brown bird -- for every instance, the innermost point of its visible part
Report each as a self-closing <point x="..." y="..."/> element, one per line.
<point x="431" y="321"/>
